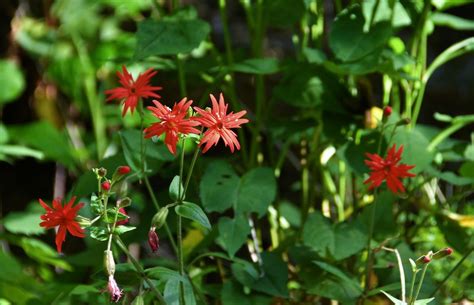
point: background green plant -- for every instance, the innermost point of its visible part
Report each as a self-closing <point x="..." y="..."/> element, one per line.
<point x="289" y="214"/>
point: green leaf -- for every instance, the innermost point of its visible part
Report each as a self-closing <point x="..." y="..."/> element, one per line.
<point x="43" y="253"/>
<point x="12" y="80"/>
<point x="275" y="276"/>
<point x="451" y="21"/>
<point x="257" y="191"/>
<point x="99" y="233"/>
<point x="218" y="190"/>
<point x="257" y="66"/>
<point x="194" y="212"/>
<point x="232" y="233"/>
<point x="384" y="219"/>
<point x="245" y="273"/>
<point x="414" y="148"/>
<point x="445" y="4"/>
<point x="398" y="17"/>
<point x="424" y="301"/>
<point x="233" y="294"/>
<point x="176" y="188"/>
<point x="44" y="137"/>
<point x="20" y="152"/>
<point x="314" y="56"/>
<point x="169" y="37"/>
<point x="393" y="299"/>
<point x="171" y="293"/>
<point x="164" y="274"/>
<point x="349" y="41"/>
<point x="26" y="222"/>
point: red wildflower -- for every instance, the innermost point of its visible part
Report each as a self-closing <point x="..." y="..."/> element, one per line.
<point x="387" y="111"/>
<point x="388" y="169"/>
<point x="122" y="222"/>
<point x="172" y="123"/>
<point x="153" y="240"/>
<point x="132" y="90"/>
<point x="64" y="217"/>
<point x="219" y="124"/>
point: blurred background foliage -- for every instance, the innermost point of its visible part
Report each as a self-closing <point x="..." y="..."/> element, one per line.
<point x="313" y="75"/>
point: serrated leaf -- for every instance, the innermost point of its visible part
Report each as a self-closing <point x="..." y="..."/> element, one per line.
<point x="194" y="212"/>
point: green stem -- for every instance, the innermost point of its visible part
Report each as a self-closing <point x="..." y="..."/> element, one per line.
<point x="191" y="168"/>
<point x="157" y="207"/>
<point x="452" y="271"/>
<point x="425" y="267"/>
<point x="370" y="257"/>
<point x="140" y="270"/>
<point x="179" y="225"/>
<point x="412" y="286"/>
<point x="443" y="135"/>
<point x="374" y="12"/>
<point x="181" y="76"/>
<point x="142" y="142"/>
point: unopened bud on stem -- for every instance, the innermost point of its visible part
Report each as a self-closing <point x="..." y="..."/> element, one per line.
<point x="160" y="218"/>
<point x="442" y="253"/>
<point x="109" y="262"/>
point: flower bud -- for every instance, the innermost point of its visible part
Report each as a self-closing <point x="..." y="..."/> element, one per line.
<point x="109" y="262"/>
<point x="114" y="290"/>
<point x="442" y="253"/>
<point x="153" y="240"/>
<point x="425" y="259"/>
<point x="123" y="170"/>
<point x="138" y="300"/>
<point x="160" y="218"/>
<point x="387" y="111"/>
<point x="122" y="222"/>
<point x="101" y="172"/>
<point x="105" y="185"/>
<point x="124" y="202"/>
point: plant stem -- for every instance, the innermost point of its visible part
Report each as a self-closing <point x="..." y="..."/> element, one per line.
<point x="369" y="263"/>
<point x="181" y="77"/>
<point x="400" y="270"/>
<point x="425" y="267"/>
<point x="452" y="271"/>
<point x="191" y="168"/>
<point x="157" y="206"/>
<point x="140" y="270"/>
<point x="412" y="286"/>
<point x="142" y="143"/>
<point x="179" y="225"/>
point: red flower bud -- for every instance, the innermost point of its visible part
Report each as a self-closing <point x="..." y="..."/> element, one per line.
<point x="387" y="111"/>
<point x="123" y="170"/>
<point x="122" y="222"/>
<point x="443" y="253"/>
<point x="153" y="240"/>
<point x="425" y="259"/>
<point x="105" y="185"/>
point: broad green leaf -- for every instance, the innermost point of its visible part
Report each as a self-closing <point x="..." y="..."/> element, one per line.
<point x="176" y="188"/>
<point x="275" y="276"/>
<point x="257" y="66"/>
<point x="399" y="17"/>
<point x="218" y="187"/>
<point x="451" y="21"/>
<point x="164" y="274"/>
<point x="194" y="212"/>
<point x="450" y="177"/>
<point x="43" y="253"/>
<point x="233" y="294"/>
<point x="233" y="233"/>
<point x="283" y="13"/>
<point x="414" y="149"/>
<point x="25" y="222"/>
<point x="314" y="56"/>
<point x="384" y="219"/>
<point x="169" y="37"/>
<point x="18" y="151"/>
<point x="171" y="293"/>
<point x="45" y="138"/>
<point x="257" y="190"/>
<point x="99" y="233"/>
<point x="349" y="41"/>
<point x="245" y="273"/>
<point x="467" y="169"/>
<point x="12" y="80"/>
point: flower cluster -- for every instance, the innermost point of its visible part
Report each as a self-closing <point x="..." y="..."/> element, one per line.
<point x="179" y="120"/>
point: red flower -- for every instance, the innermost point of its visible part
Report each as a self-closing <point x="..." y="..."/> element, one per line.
<point x="122" y="222"/>
<point x="105" y="185"/>
<point x="132" y="90"/>
<point x="387" y="111"/>
<point x="388" y="169"/>
<point x="64" y="217"/>
<point x="219" y="124"/>
<point x="172" y="123"/>
<point x="153" y="240"/>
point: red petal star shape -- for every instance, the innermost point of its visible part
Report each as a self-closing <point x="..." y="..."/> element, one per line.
<point x="132" y="90"/>
<point x="172" y="123"/>
<point x="219" y="124"/>
<point x="388" y="170"/>
<point x="64" y="217"/>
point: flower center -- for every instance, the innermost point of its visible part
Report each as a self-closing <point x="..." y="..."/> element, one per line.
<point x="219" y="125"/>
<point x="133" y="90"/>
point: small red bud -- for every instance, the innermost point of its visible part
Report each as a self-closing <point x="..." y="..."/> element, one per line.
<point x="123" y="170"/>
<point x="448" y="251"/>
<point x="426" y="259"/>
<point x="153" y="240"/>
<point x="443" y="253"/>
<point x="122" y="222"/>
<point x="387" y="111"/>
<point x="105" y="185"/>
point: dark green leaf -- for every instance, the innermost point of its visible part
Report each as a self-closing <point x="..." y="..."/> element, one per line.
<point x="233" y="294"/>
<point x="218" y="190"/>
<point x="283" y="13"/>
<point x="169" y="37"/>
<point x="123" y="229"/>
<point x="414" y="148"/>
<point x="233" y="233"/>
<point x="348" y="39"/>
<point x="245" y="273"/>
<point x="171" y="293"/>
<point x="43" y="253"/>
<point x="99" y="233"/>
<point x="26" y="222"/>
<point x="314" y="56"/>
<point x="164" y="274"/>
<point x="275" y="276"/>
<point x="194" y="212"/>
<point x="257" y="191"/>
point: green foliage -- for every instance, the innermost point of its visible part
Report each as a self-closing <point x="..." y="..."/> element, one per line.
<point x="194" y="212"/>
<point x="12" y="80"/>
